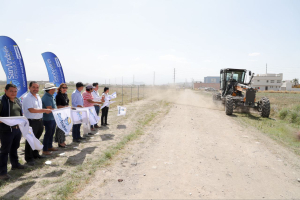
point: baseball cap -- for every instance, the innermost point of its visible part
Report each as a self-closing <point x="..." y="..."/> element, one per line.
<point x="89" y="86"/>
<point x="79" y="84"/>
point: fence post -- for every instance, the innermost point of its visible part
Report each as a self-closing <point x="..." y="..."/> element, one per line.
<point x="122" y="90"/>
<point x="131" y="94"/>
<point x="138" y="92"/>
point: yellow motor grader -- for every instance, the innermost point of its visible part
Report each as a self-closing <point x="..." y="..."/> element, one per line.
<point x="236" y="93"/>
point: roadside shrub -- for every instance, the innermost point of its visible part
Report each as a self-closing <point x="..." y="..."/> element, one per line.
<point x="294" y="117"/>
<point x="297" y="108"/>
<point x="283" y="113"/>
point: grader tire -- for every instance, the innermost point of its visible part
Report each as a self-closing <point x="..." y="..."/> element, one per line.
<point x="265" y="107"/>
<point x="229" y="105"/>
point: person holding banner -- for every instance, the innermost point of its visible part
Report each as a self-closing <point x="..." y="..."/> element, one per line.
<point x="88" y="101"/>
<point x="10" y="136"/>
<point x="33" y="111"/>
<point x="96" y="96"/>
<point x="62" y="101"/>
<point x="106" y="99"/>
<point x="77" y="101"/>
<point x="48" y="119"/>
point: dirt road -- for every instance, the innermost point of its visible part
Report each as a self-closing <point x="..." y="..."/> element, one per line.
<point x="199" y="152"/>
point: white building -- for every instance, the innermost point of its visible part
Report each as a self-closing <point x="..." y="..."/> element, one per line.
<point x="267" y="81"/>
<point x="288" y="86"/>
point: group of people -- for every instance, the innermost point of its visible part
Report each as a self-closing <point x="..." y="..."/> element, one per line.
<point x="38" y="111"/>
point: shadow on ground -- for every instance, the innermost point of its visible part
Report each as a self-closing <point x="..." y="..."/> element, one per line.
<point x="19" y="191"/>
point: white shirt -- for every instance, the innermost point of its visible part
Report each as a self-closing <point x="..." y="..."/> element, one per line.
<point x="30" y="101"/>
<point x="106" y="100"/>
<point x="96" y="97"/>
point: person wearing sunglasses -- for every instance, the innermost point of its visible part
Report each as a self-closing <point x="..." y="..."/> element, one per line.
<point x="62" y="101"/>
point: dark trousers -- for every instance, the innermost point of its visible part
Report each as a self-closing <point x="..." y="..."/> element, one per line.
<point x="49" y="132"/>
<point x="10" y="142"/>
<point x="76" y="131"/>
<point x="104" y="115"/>
<point x="97" y="108"/>
<point x="38" y="128"/>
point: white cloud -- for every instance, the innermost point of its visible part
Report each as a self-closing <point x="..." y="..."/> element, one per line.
<point x="29" y="40"/>
<point x="207" y="61"/>
<point x="254" y="54"/>
<point x="173" y="58"/>
<point x="102" y="57"/>
<point x="136" y="59"/>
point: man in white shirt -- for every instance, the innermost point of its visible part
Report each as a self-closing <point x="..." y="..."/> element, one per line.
<point x="97" y="97"/>
<point x="33" y="111"/>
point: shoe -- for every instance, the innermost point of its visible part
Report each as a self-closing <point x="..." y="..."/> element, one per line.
<point x="92" y="129"/>
<point x="82" y="138"/>
<point x="77" y="141"/>
<point x="31" y="163"/>
<point x="18" y="167"/>
<point x="47" y="152"/>
<point x="52" y="149"/>
<point x="103" y="125"/>
<point x="40" y="157"/>
<point x="5" y="177"/>
<point x="61" y="146"/>
<point x="91" y="133"/>
<point x="106" y="124"/>
<point x="96" y="126"/>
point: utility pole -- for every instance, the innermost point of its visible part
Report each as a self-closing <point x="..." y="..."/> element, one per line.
<point x="154" y="79"/>
<point x="174" y="76"/>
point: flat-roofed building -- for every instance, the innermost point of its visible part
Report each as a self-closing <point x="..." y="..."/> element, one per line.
<point x="268" y="81"/>
<point x="212" y="79"/>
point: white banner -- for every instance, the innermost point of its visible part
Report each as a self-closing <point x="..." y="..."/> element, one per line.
<point x="121" y="111"/>
<point x="93" y="117"/>
<point x="85" y="115"/>
<point x="80" y="115"/>
<point x="25" y="129"/>
<point x="112" y="96"/>
<point x="63" y="119"/>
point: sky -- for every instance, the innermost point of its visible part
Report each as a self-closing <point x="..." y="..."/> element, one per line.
<point x="103" y="41"/>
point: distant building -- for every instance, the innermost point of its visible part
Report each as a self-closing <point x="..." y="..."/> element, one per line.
<point x="199" y="84"/>
<point x="288" y="86"/>
<point x="267" y="81"/>
<point x="212" y="79"/>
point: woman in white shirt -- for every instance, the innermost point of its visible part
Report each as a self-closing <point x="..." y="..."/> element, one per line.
<point x="105" y="99"/>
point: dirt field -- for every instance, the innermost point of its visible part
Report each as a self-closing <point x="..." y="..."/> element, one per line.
<point x="199" y="152"/>
<point x="188" y="150"/>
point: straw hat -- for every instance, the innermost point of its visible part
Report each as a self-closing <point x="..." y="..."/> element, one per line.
<point x="49" y="86"/>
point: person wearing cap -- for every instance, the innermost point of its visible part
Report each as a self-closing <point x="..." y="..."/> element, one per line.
<point x="77" y="101"/>
<point x="33" y="111"/>
<point x="10" y="136"/>
<point x="88" y="100"/>
<point x="48" y="119"/>
<point x="96" y="95"/>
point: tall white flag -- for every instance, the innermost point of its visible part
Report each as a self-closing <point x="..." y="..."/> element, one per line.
<point x="63" y="119"/>
<point x="25" y="129"/>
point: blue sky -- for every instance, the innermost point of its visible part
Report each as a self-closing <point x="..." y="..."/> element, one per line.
<point x="104" y="40"/>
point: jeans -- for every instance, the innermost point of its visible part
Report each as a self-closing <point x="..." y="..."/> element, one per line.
<point x="97" y="108"/>
<point x="76" y="131"/>
<point x="10" y="142"/>
<point x="49" y="132"/>
<point x="38" y="128"/>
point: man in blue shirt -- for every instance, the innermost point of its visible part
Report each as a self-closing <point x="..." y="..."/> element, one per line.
<point x="77" y="101"/>
<point x="33" y="111"/>
<point x="48" y="119"/>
